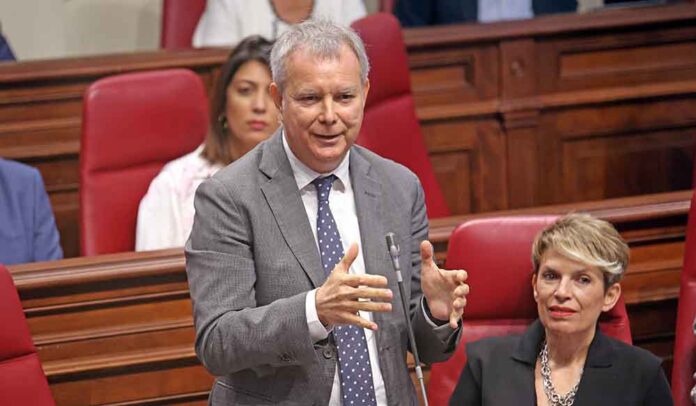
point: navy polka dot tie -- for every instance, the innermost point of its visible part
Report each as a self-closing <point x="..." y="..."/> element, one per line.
<point x="353" y="359"/>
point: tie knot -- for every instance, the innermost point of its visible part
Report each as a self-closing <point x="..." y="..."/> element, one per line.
<point x="323" y="186"/>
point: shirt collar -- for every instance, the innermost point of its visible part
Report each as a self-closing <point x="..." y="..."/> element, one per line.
<point x="600" y="353"/>
<point x="305" y="175"/>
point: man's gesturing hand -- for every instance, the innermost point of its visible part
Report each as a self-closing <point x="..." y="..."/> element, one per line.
<point x="444" y="290"/>
<point x="340" y="298"/>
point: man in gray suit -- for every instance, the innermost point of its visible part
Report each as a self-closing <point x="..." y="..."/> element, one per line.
<point x="282" y="315"/>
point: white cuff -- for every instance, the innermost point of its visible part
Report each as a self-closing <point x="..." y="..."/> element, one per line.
<point x="317" y="331"/>
<point x="425" y="314"/>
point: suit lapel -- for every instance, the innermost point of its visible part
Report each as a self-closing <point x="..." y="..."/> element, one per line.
<point x="285" y="202"/>
<point x="372" y="219"/>
<point x="369" y="206"/>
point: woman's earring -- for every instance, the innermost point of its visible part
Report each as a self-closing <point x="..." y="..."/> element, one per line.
<point x="223" y="122"/>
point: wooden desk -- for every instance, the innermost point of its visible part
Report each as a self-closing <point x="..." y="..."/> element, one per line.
<point x="118" y="330"/>
<point x="556" y="109"/>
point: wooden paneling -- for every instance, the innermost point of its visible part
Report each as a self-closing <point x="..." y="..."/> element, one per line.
<point x="118" y="329"/>
<point x="442" y="76"/>
<point x="634" y="57"/>
<point x="589" y="107"/>
<point x="556" y="109"/>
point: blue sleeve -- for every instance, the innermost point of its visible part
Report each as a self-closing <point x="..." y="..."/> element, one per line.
<point x="5" y="50"/>
<point x="46" y="239"/>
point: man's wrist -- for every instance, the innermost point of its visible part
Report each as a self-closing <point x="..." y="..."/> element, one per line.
<point x="429" y="315"/>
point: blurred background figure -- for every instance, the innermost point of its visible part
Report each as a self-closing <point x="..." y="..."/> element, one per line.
<point x="563" y="358"/>
<point x="6" y="53"/>
<point x="242" y="114"/>
<point x="225" y="22"/>
<point x="27" y="227"/>
<point x="414" y="13"/>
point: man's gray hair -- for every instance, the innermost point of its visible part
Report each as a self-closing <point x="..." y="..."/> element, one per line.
<point x="321" y="38"/>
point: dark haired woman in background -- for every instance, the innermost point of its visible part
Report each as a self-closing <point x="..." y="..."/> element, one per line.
<point x="242" y="114"/>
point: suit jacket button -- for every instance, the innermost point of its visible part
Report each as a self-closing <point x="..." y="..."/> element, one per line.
<point x="285" y="358"/>
<point x="328" y="353"/>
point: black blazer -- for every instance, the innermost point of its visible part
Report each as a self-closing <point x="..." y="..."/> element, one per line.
<point x="500" y="371"/>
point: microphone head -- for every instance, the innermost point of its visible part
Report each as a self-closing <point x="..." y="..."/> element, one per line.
<point x="391" y="241"/>
<point x="391" y="244"/>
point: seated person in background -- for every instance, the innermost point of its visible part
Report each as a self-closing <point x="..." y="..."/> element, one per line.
<point x="242" y="114"/>
<point x="563" y="358"/>
<point x="415" y="13"/>
<point x="225" y="22"/>
<point x="27" y="228"/>
<point x="5" y="50"/>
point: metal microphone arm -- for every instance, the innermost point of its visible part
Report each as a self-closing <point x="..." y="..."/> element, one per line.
<point x="394" y="254"/>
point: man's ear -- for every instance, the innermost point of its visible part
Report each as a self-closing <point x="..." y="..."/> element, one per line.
<point x="366" y="89"/>
<point x="276" y="95"/>
<point x="534" y="289"/>
<point x="611" y="296"/>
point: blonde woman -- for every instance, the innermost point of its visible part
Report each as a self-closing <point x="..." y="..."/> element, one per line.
<point x="563" y="358"/>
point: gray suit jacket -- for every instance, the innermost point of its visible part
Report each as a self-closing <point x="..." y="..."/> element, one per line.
<point x="251" y="259"/>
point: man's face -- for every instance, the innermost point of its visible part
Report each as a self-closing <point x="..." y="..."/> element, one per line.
<point x="321" y="107"/>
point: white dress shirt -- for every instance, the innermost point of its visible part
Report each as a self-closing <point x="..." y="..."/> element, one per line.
<point x="226" y="22"/>
<point x="165" y="214"/>
<point x="342" y="204"/>
<point x="496" y="10"/>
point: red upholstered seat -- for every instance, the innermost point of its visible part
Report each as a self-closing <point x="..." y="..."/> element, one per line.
<point x="132" y="125"/>
<point x="390" y="127"/>
<point x="22" y="380"/>
<point x="179" y="20"/>
<point x="496" y="252"/>
<point x="685" y="344"/>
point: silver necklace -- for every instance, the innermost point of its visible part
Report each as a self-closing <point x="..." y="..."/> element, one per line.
<point x="554" y="398"/>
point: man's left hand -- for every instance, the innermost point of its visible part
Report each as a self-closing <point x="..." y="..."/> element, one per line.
<point x="444" y="290"/>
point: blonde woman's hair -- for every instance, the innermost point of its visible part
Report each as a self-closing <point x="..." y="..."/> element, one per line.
<point x="586" y="239"/>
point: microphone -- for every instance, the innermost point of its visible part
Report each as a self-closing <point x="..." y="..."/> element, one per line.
<point x="394" y="250"/>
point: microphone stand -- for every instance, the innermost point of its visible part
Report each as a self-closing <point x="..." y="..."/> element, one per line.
<point x="394" y="254"/>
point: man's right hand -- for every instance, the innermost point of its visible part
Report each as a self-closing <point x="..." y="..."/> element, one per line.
<point x="340" y="298"/>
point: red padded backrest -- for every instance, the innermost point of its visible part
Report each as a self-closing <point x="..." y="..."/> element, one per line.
<point x="496" y="253"/>
<point x="132" y="125"/>
<point x="22" y="380"/>
<point x="685" y="344"/>
<point x="390" y="127"/>
<point x="179" y="20"/>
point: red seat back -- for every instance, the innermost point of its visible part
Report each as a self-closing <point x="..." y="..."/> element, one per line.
<point x="496" y="253"/>
<point x="685" y="343"/>
<point x="179" y="21"/>
<point x="22" y="380"/>
<point x="132" y="125"/>
<point x="390" y="127"/>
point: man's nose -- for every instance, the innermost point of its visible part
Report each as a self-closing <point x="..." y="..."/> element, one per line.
<point x="328" y="113"/>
